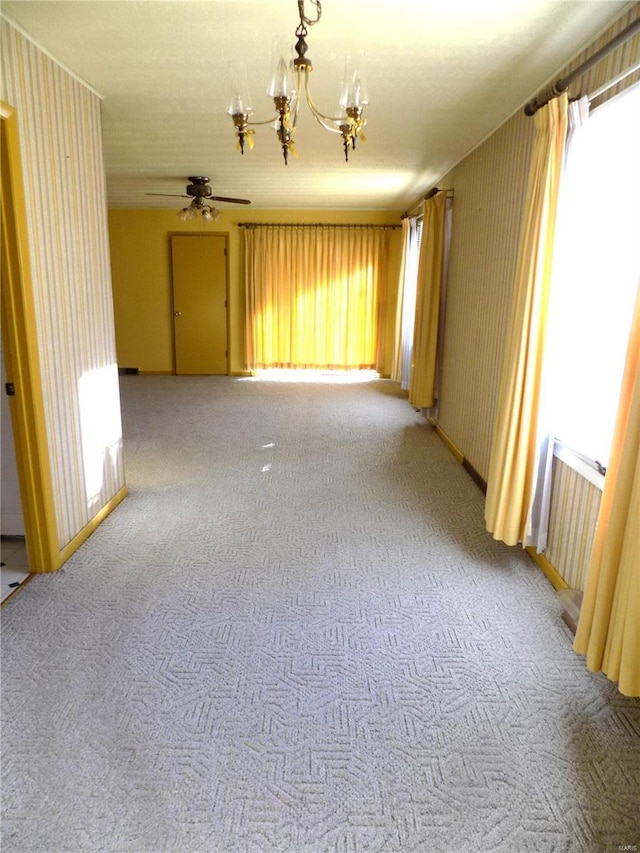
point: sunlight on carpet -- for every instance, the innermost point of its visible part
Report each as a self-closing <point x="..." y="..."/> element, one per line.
<point x="279" y="374"/>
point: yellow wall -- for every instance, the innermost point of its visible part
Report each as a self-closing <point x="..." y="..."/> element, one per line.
<point x="141" y="272"/>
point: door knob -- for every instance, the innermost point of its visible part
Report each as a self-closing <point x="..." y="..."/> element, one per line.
<point x="177" y="313"/>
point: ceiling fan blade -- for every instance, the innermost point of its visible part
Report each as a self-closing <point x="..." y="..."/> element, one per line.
<point x="170" y="195"/>
<point x="231" y="200"/>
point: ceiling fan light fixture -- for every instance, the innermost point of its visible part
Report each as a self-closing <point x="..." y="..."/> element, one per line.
<point x="210" y="214"/>
<point x="187" y="214"/>
<point x="289" y="81"/>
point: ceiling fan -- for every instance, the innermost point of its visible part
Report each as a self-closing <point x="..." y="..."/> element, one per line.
<point x="199" y="190"/>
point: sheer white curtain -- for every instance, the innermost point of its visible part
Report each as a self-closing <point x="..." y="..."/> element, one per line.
<point x="396" y="367"/>
<point x="406" y="312"/>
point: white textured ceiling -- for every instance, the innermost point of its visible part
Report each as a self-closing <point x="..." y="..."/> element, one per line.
<point x="441" y="76"/>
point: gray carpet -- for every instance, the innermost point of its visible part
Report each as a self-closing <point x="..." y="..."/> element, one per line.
<point x="295" y="635"/>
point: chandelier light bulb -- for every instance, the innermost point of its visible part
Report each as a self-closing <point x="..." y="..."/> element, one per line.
<point x="281" y="85"/>
<point x="239" y="96"/>
<point x="354" y="90"/>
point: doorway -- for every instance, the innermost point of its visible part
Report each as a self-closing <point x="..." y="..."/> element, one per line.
<point x="200" y="303"/>
<point x="21" y="363"/>
<point x="14" y="566"/>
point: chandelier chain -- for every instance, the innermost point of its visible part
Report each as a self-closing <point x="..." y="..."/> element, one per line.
<point x="304" y="19"/>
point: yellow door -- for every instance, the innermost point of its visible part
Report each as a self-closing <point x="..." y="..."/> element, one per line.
<point x="199" y="267"/>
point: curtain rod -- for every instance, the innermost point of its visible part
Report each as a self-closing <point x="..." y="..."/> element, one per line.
<point x="563" y="83"/>
<point x="432" y="192"/>
<point x="312" y="225"/>
<point x="617" y="79"/>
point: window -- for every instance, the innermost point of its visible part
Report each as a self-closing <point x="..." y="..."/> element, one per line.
<point x="595" y="278"/>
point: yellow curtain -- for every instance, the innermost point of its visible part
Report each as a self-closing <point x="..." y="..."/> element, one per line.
<point x="312" y="296"/>
<point x="609" y="628"/>
<point x="396" y="369"/>
<point x="513" y="450"/>
<point x="430" y="268"/>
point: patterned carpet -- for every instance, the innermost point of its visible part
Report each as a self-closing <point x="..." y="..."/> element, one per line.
<point x="295" y="636"/>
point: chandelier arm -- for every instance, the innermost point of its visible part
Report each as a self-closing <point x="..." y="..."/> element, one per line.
<point x="259" y="123"/>
<point x="323" y="123"/>
<point x="316" y="112"/>
<point x="294" y="105"/>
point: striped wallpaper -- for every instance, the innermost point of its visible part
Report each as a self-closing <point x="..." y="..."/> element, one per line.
<point x="484" y="239"/>
<point x="574" y="512"/>
<point x="61" y="147"/>
<point x="489" y="187"/>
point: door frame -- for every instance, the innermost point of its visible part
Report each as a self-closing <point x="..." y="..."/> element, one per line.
<point x="20" y="341"/>
<point x="224" y="234"/>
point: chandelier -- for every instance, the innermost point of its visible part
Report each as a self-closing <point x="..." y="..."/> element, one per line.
<point x="289" y="80"/>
